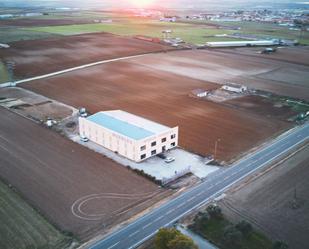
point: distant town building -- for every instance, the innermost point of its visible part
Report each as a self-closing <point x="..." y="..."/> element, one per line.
<point x="131" y="136"/>
<point x="169" y="19"/>
<point x="236" y="88"/>
<point x="103" y="20"/>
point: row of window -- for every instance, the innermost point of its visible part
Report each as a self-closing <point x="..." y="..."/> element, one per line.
<point x="163" y="140"/>
<point x="154" y="152"/>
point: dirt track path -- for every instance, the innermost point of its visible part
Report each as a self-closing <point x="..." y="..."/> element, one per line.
<point x="44" y="76"/>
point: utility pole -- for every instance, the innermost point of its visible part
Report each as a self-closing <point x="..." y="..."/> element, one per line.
<point x="216" y="147"/>
<point x="10" y="65"/>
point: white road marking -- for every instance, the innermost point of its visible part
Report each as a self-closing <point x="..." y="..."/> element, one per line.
<point x="113" y="245"/>
<point x="170" y="211"/>
<point x="180" y="205"/>
<point x="159" y="218"/>
<point x="218" y="183"/>
<point x="132" y="234"/>
<point x="191" y="199"/>
<point x="149" y="224"/>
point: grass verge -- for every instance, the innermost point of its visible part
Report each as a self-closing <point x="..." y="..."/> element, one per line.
<point x="221" y="232"/>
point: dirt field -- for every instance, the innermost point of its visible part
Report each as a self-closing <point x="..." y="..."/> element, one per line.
<point x="285" y="72"/>
<point x="296" y="55"/>
<point x="263" y="106"/>
<point x="163" y="97"/>
<point x="78" y="190"/>
<point x="34" y="106"/>
<point x="221" y="66"/>
<point x="39" y="57"/>
<point x="267" y="202"/>
<point x="29" y="22"/>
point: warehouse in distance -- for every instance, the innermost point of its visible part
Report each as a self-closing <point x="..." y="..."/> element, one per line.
<point x="131" y="136"/>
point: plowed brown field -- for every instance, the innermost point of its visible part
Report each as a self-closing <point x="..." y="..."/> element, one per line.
<point x="163" y="97"/>
<point x="40" y="57"/>
<point x="32" y="22"/>
<point x="78" y="190"/>
<point x="268" y="201"/>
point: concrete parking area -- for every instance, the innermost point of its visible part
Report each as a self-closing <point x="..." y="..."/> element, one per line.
<point x="156" y="166"/>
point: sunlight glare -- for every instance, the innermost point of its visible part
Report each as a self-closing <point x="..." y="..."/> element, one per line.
<point x="142" y="3"/>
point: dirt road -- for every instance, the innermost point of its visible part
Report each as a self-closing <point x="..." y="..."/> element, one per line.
<point x="40" y="57"/>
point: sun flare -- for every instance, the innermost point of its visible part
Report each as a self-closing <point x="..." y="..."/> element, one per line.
<point x="142" y="3"/>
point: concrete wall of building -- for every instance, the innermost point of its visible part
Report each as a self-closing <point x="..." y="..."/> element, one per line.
<point x="163" y="142"/>
<point x="242" y="43"/>
<point x="235" y="89"/>
<point x="125" y="146"/>
<point x="107" y="138"/>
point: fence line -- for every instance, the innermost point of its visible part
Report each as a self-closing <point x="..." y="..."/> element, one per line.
<point x="178" y="174"/>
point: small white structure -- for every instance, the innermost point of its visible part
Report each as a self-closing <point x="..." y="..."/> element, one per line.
<point x="3" y="45"/>
<point x="242" y="43"/>
<point x="131" y="136"/>
<point x="199" y="93"/>
<point x="232" y="87"/>
<point x="167" y="34"/>
<point x="168" y="19"/>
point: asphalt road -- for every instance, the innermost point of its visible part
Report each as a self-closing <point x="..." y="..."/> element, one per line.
<point x="145" y="227"/>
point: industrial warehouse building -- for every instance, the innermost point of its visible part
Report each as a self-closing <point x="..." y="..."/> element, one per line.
<point x="242" y="43"/>
<point x="131" y="136"/>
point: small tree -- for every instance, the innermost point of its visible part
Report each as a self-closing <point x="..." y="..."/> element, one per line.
<point x="214" y="211"/>
<point x="280" y="245"/>
<point x="200" y="220"/>
<point x="164" y="236"/>
<point x="244" y="227"/>
<point x="182" y="242"/>
<point x="232" y="236"/>
<point x="173" y="239"/>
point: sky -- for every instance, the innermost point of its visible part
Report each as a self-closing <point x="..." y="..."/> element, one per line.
<point x="190" y="4"/>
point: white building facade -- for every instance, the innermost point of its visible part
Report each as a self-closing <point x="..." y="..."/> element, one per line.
<point x="131" y="136"/>
<point x="242" y="43"/>
<point x="235" y="88"/>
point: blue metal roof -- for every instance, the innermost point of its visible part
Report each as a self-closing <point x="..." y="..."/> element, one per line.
<point x="120" y="126"/>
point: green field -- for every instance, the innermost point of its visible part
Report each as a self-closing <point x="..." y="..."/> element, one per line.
<point x="224" y="234"/>
<point x="18" y="34"/>
<point x="267" y="30"/>
<point x="195" y="32"/>
<point x="214" y="231"/>
<point x="21" y="227"/>
<point x="4" y="77"/>
<point x="190" y="33"/>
